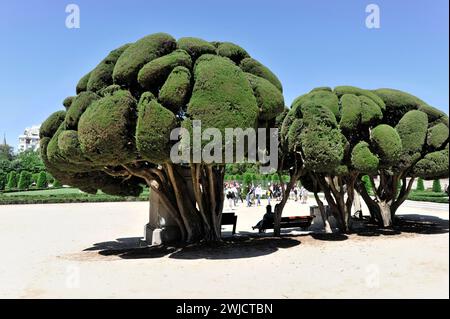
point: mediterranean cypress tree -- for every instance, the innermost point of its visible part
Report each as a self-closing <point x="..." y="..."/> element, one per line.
<point x="437" y="188"/>
<point x="57" y="184"/>
<point x="12" y="180"/>
<point x="332" y="138"/>
<point x="3" y="180"/>
<point x="25" y="180"/>
<point x="422" y="151"/>
<point x="115" y="135"/>
<point x="420" y="187"/>
<point x="42" y="181"/>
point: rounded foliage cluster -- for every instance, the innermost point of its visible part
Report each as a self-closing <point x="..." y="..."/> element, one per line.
<point x="348" y="128"/>
<point x="127" y="106"/>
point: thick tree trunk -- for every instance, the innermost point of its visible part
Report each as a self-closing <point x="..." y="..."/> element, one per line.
<point x="192" y="197"/>
<point x="387" y="197"/>
<point x="385" y="212"/>
<point x="324" y="214"/>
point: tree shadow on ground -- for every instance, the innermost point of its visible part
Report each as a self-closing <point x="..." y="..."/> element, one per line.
<point x="230" y="248"/>
<point x="409" y="223"/>
<point x="249" y="245"/>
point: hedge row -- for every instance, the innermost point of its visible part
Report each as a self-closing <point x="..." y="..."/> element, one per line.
<point x="428" y="199"/>
<point x="60" y="199"/>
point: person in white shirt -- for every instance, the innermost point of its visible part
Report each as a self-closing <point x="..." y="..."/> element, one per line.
<point x="258" y="193"/>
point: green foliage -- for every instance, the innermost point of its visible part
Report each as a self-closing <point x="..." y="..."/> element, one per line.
<point x="222" y="96"/>
<point x="269" y="98"/>
<point x="248" y="179"/>
<point x="106" y="129"/>
<point x="6" y="152"/>
<point x="363" y="159"/>
<point x="437" y="135"/>
<point x="176" y="83"/>
<point x="56" y="184"/>
<point x="3" y="180"/>
<point x="174" y="93"/>
<point x="42" y="181"/>
<point x="25" y="180"/>
<point x="428" y="197"/>
<point x="433" y="165"/>
<point x="420" y="186"/>
<point x="341" y="90"/>
<point x="367" y="183"/>
<point x="387" y="144"/>
<point x="323" y="148"/>
<point x="28" y="161"/>
<point x="232" y="51"/>
<point x="68" y="102"/>
<point x="323" y="98"/>
<point x="138" y="54"/>
<point x="434" y="115"/>
<point x="351" y="112"/>
<point x="254" y="67"/>
<point x="154" y="125"/>
<point x="12" y="181"/>
<point x="79" y="105"/>
<point x="412" y="129"/>
<point x="101" y="76"/>
<point x="69" y="147"/>
<point x="397" y="103"/>
<point x="196" y="47"/>
<point x="370" y="110"/>
<point x="82" y="84"/>
<point x="51" y="125"/>
<point x="154" y="73"/>
<point x="437" y="188"/>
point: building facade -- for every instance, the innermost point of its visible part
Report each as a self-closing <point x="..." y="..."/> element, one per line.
<point x="29" y="140"/>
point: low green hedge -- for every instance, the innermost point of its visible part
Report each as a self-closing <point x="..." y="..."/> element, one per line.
<point x="428" y="199"/>
<point x="428" y="194"/>
<point x="69" y="198"/>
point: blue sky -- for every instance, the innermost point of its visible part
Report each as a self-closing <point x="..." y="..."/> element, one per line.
<point x="306" y="43"/>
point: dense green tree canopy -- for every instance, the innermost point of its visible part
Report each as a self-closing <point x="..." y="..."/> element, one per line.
<point x="336" y="136"/>
<point x="126" y="107"/>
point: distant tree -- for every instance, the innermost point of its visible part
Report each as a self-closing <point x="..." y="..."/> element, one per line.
<point x="420" y="187"/>
<point x="6" y="152"/>
<point x="437" y="188"/>
<point x="3" y="180"/>
<point x="35" y="178"/>
<point x="56" y="183"/>
<point x="5" y="166"/>
<point x="248" y="179"/>
<point x="25" y="180"/>
<point x="50" y="178"/>
<point x="12" y="181"/>
<point x="29" y="161"/>
<point x="42" y="180"/>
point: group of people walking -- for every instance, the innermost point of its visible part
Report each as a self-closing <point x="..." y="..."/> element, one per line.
<point x="254" y="194"/>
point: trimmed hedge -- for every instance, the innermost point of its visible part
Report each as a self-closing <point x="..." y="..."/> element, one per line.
<point x="63" y="199"/>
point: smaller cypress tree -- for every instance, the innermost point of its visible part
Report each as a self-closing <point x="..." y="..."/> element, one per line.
<point x="420" y="186"/>
<point x="25" y="180"/>
<point x="42" y="180"/>
<point x="56" y="184"/>
<point x="3" y="180"/>
<point x="12" y="180"/>
<point x="437" y="186"/>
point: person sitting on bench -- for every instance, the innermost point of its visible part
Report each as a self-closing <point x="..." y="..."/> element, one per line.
<point x="268" y="219"/>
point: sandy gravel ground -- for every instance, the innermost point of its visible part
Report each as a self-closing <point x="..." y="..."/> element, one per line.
<point x="89" y="251"/>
